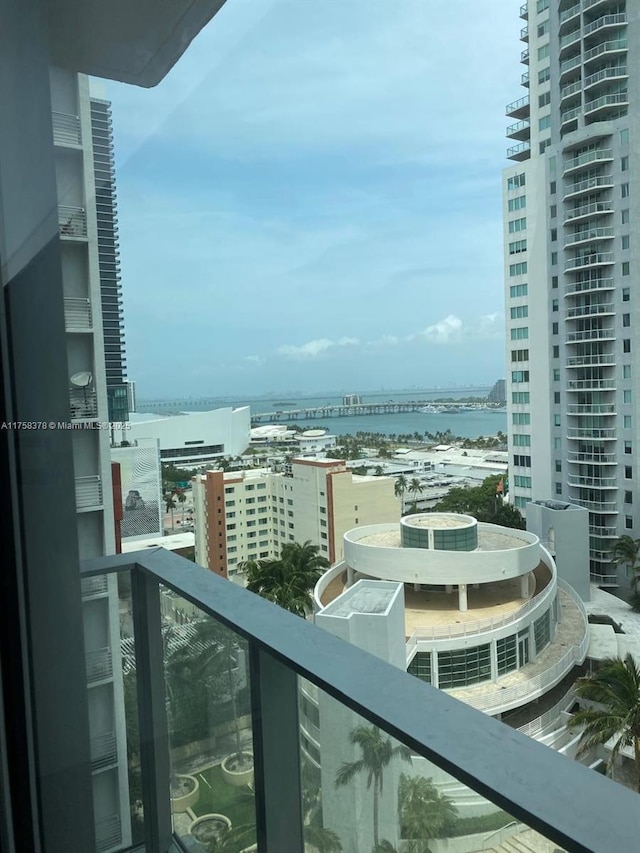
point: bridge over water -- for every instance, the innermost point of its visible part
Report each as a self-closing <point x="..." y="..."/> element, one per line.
<point x="338" y="411"/>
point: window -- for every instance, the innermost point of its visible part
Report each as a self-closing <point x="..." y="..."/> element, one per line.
<point x="624" y="136"/>
<point x="554" y="235"/>
<point x="628" y="522"/>
<point x="556" y="397"/>
<point x="517" y="203"/>
<point x="543" y="52"/>
<point x="544" y="122"/>
<point x="250" y="500"/>
<point x="626" y="294"/>
<point x="626" y="345"/>
<point x="517" y="225"/>
<point x="555" y="305"/>
<point x="232" y="538"/>
<point x="554" y="281"/>
<point x="626" y="371"/>
<point x="556" y="420"/>
<point x="626" y="396"/>
<point x="323" y="523"/>
<point x="625" y="241"/>
<point x="420" y="666"/>
<point x="624" y="163"/>
<point x="517" y="290"/>
<point x="544" y="145"/>
<point x="515" y="181"/>
<point x="518" y="269"/>
<point x="229" y="490"/>
<point x="232" y="550"/>
<point x="543" y="29"/>
<point x="520" y="398"/>
<point x="231" y="515"/>
<point x="519" y="312"/>
<point x="628" y="472"/>
<point x="624" y="215"/>
<point x="558" y="488"/>
<point x="626" y="320"/>
<point x="554" y="328"/>
<point x="542" y="631"/>
<point x="521" y="418"/>
<point x="626" y="421"/>
<point x="520" y="333"/>
<point x="520" y="502"/>
<point x="544" y="74"/>
<point x="624" y="190"/>
<point x="552" y="187"/>
<point x="545" y="98"/>
<point x="262" y="486"/>
<point x="554" y="258"/>
<point x="522" y="461"/>
<point x="464" y="666"/>
<point x="519" y="376"/>
<point x="522" y="482"/>
<point x="231" y="527"/>
<point x="625" y="268"/>
<point x="557" y="443"/>
<point x="517" y="247"/>
<point x="628" y="497"/>
<point x="558" y="466"/>
<point x="556" y="352"/>
<point x="553" y="211"/>
<point x="521" y="440"/>
<point x="289" y="502"/>
<point x="628" y="447"/>
<point x="519" y="355"/>
<point x="556" y="374"/>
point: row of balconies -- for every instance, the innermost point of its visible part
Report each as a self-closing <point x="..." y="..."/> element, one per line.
<point x="590" y="360"/>
<point x="592" y="482"/>
<point x="592" y="385"/>
<point x="592" y="409"/>
<point x="580" y="187"/>
<point x="589" y="285"/>
<point x="603" y="434"/>
<point x="587" y="157"/>
<point x="590" y="310"/>
<point x="595" y="232"/>
<point x="593" y="259"/>
<point x="592" y="458"/>
<point x="585" y="210"/>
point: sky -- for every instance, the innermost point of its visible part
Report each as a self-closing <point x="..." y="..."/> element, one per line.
<point x="311" y="199"/>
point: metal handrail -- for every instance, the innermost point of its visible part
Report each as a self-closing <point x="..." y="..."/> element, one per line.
<point x="533" y="783"/>
<point x="499" y="832"/>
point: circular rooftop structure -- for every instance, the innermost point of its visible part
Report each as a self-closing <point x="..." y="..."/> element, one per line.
<point x="439" y="531"/>
<point x="313" y="433"/>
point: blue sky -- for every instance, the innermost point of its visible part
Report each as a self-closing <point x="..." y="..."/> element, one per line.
<point x="311" y="199"/>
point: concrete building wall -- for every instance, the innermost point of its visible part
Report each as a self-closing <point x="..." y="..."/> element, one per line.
<point x="564" y="530"/>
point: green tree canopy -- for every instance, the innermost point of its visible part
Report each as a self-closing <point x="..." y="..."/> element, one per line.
<point x="482" y="502"/>
<point x="289" y="580"/>
<point x="616" y="688"/>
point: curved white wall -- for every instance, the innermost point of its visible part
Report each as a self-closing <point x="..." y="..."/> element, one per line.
<point x="417" y="565"/>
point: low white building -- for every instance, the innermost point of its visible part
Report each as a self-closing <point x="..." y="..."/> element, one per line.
<point x="194" y="439"/>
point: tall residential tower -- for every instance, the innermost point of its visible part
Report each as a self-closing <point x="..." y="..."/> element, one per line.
<point x="571" y="199"/>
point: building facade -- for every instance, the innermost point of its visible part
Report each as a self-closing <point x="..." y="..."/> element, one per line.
<point x="570" y="202"/>
<point x="250" y="515"/>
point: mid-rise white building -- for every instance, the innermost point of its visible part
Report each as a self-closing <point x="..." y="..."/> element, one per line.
<point x="250" y="515"/>
<point x="570" y="208"/>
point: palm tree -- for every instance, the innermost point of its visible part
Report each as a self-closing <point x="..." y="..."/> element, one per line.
<point x="626" y="552"/>
<point x="616" y="687"/>
<point x="181" y="500"/>
<point x="378" y="470"/>
<point x="377" y="753"/>
<point x="415" y="487"/>
<point x="171" y="505"/>
<point x="424" y="812"/>
<point x="400" y="488"/>
<point x="289" y="581"/>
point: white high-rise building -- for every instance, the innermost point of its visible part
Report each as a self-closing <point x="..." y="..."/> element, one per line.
<point x="571" y="200"/>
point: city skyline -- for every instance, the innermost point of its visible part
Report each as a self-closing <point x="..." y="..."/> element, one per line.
<point x="322" y="186"/>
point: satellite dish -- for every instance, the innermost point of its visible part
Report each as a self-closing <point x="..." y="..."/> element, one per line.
<point x="82" y="379"/>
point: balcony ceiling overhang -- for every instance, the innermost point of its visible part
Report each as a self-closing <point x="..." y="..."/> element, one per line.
<point x="133" y="41"/>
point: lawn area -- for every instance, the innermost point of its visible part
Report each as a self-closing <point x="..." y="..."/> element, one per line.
<point x="236" y="803"/>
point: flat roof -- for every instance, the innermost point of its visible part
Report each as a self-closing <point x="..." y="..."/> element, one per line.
<point x="171" y="543"/>
<point x="487" y="541"/>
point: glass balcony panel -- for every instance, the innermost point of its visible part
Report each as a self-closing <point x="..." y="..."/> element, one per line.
<point x="365" y="790"/>
<point x="210" y="728"/>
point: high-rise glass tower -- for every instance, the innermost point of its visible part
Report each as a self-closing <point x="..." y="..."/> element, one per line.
<point x="571" y="201"/>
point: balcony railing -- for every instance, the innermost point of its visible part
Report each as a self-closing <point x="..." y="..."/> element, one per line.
<point x="520" y="106"/>
<point x="605" y="102"/>
<point x="604" y="434"/>
<point x="569" y="38"/>
<point x="519" y="152"/>
<point x="534" y="784"/>
<point x="108" y="833"/>
<point x="72" y="222"/>
<point x="592" y="284"/>
<point x="590" y="310"/>
<point x="88" y="492"/>
<point x="606" y="74"/>
<point x="588" y="157"/>
<point x="588" y="209"/>
<point x="593" y="482"/>
<point x="591" y="384"/>
<point x="588" y="360"/>
<point x="571" y="89"/>
<point x="77" y="314"/>
<point x="568" y="64"/>
<point x="592" y="458"/>
<point x="605" y="532"/>
<point x="590" y="183"/>
<point x="519" y="130"/>
<point x="592" y="409"/>
<point x="524" y="11"/>
<point x="605" y="21"/>
<point x="66" y="129"/>
<point x="590" y="260"/>
<point x="83" y="403"/>
<point x="597" y="506"/>
<point x="601" y="233"/>
<point x="605" y="47"/>
<point x="570" y="115"/>
<point x="94" y="586"/>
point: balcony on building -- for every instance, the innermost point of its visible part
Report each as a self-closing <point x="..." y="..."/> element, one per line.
<point x="604" y="22"/>
<point x="589" y="285"/>
<point x="598" y="108"/>
<point x="568" y="40"/>
<point x="584" y="187"/>
<point x="520" y="108"/>
<point x="568" y="15"/>
<point x="524" y="57"/>
<point x="88" y="493"/>
<point x="524" y="79"/>
<point x="592" y="259"/>
<point x="574" y="164"/>
<point x="614" y="47"/>
<point x="570" y="95"/>
<point x="594" y="458"/>
<point x="524" y="11"/>
<point x="588" y="234"/>
<point x="519" y="152"/>
<point x="615" y="72"/>
<point x="77" y="314"/>
<point x="519" y="130"/>
<point x="570" y="68"/>
<point x="524" y="34"/>
<point x="73" y="222"/>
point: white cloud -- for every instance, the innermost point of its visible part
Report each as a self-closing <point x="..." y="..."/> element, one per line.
<point x="313" y="349"/>
<point x="254" y="359"/>
<point x="445" y="331"/>
<point x="488" y="327"/>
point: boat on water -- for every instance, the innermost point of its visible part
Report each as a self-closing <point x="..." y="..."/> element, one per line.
<point x="431" y="410"/>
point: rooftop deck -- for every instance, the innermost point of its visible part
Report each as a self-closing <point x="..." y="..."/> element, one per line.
<point x="487" y="540"/>
<point x="431" y="608"/>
